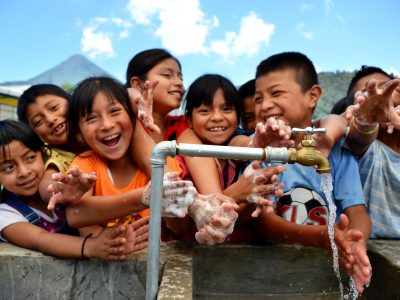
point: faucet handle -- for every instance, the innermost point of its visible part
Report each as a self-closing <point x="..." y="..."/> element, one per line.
<point x="309" y="130"/>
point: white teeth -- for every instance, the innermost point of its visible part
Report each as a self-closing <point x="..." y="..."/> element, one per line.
<point x="215" y="129"/>
<point x="111" y="137"/>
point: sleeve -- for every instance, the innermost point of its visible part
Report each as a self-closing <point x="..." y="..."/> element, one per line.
<point x="9" y="216"/>
<point x="85" y="162"/>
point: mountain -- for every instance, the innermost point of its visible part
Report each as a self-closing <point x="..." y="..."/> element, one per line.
<point x="68" y="72"/>
<point x="334" y="86"/>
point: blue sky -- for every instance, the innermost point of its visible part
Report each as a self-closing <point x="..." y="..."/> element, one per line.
<point x="208" y="36"/>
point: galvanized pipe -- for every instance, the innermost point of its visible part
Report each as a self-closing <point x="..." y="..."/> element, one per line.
<point x="158" y="160"/>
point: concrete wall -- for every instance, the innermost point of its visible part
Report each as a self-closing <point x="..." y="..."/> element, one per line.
<point x="227" y="271"/>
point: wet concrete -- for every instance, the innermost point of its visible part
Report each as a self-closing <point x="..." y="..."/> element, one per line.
<point x="221" y="272"/>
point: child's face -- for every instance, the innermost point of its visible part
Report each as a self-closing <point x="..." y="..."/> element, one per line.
<point x="47" y="117"/>
<point x="249" y="117"/>
<point x="216" y="123"/>
<point x="168" y="93"/>
<point x="108" y="128"/>
<point x="279" y="95"/>
<point x="21" y="169"/>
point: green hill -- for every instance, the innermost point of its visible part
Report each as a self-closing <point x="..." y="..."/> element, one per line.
<point x="334" y="85"/>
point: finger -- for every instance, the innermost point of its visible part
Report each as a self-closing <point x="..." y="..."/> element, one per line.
<point x="256" y="212"/>
<point x="54" y="200"/>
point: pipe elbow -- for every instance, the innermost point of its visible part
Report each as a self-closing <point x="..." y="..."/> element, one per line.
<point x="161" y="151"/>
<point x="323" y="164"/>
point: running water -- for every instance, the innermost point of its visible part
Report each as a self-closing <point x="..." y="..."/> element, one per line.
<point x="327" y="188"/>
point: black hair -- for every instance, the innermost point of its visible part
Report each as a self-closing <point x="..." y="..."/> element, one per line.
<point x="146" y="60"/>
<point x="340" y="106"/>
<point x="363" y="72"/>
<point x="246" y="90"/>
<point x="29" y="96"/>
<point x="203" y="89"/>
<point x="83" y="96"/>
<point x="304" y="70"/>
<point x="11" y="130"/>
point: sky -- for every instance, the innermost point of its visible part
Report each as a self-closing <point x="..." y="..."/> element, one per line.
<point x="228" y="37"/>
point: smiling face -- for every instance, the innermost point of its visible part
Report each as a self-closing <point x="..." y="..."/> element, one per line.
<point x="47" y="117"/>
<point x="21" y="169"/>
<point x="279" y="95"/>
<point x="168" y="93"/>
<point x="214" y="124"/>
<point x="107" y="129"/>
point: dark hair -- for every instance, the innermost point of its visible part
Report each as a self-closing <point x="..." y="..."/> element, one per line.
<point x="203" y="89"/>
<point x="11" y="130"/>
<point x="146" y="60"/>
<point x="363" y="72"/>
<point x="29" y="96"/>
<point x="247" y="89"/>
<point x="83" y="96"/>
<point x="340" y="106"/>
<point x="304" y="70"/>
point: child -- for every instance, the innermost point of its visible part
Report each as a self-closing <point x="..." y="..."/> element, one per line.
<point x="24" y="219"/>
<point x="248" y="117"/>
<point x="377" y="146"/>
<point x="212" y="106"/>
<point x="44" y="108"/>
<point x="287" y="89"/>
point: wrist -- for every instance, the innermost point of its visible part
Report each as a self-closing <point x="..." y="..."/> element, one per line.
<point x="85" y="248"/>
<point x="363" y="127"/>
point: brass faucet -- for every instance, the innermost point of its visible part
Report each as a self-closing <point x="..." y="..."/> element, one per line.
<point x="308" y="155"/>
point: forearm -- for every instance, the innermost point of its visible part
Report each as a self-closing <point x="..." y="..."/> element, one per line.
<point x="92" y="210"/>
<point x="360" y="137"/>
<point x="359" y="219"/>
<point x="275" y="228"/>
<point x="141" y="152"/>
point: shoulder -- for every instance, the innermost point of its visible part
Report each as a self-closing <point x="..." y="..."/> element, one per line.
<point x="60" y="158"/>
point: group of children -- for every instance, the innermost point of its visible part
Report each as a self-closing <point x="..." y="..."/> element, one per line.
<point x="82" y="161"/>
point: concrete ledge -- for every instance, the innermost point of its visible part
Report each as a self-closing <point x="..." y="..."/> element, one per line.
<point x="26" y="274"/>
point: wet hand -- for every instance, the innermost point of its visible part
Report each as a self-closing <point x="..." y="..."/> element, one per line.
<point x="70" y="186"/>
<point x="215" y="217"/>
<point x="274" y="132"/>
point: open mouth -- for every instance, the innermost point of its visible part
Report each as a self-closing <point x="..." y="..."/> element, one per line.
<point x="217" y="129"/>
<point x="111" y="140"/>
<point x="59" y="129"/>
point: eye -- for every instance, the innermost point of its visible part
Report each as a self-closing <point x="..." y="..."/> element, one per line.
<point x="7" y="167"/>
<point x="90" y="118"/>
<point x="54" y="107"/>
<point x="37" y="122"/>
<point x="258" y="99"/>
<point x="228" y="108"/>
<point x="276" y="93"/>
<point x="31" y="157"/>
<point x="166" y="75"/>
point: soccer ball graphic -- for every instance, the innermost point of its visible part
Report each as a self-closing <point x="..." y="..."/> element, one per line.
<point x="302" y="206"/>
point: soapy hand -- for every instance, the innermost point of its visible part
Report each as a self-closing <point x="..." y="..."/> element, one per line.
<point x="177" y="196"/>
<point x="274" y="132"/>
<point x="352" y="252"/>
<point x="69" y="186"/>
<point x="263" y="185"/>
<point x="144" y="102"/>
<point x="215" y="217"/>
<point x="375" y="105"/>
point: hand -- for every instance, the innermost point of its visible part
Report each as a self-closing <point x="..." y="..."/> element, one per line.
<point x="136" y="235"/>
<point x="352" y="252"/>
<point x="215" y="217"/>
<point x="70" y="186"/>
<point x="274" y="133"/>
<point x="144" y="101"/>
<point x="263" y="185"/>
<point x="178" y="195"/>
<point x="375" y="105"/>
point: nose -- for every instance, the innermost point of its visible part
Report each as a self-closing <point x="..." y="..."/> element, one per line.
<point x="23" y="170"/>
<point x="216" y="115"/>
<point x="107" y="123"/>
<point x="50" y="118"/>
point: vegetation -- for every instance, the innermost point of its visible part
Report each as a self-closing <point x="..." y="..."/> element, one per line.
<point x="334" y="85"/>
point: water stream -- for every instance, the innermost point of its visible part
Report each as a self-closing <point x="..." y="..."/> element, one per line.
<point x="327" y="188"/>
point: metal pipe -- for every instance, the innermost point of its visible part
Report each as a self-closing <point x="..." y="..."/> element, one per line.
<point x="158" y="159"/>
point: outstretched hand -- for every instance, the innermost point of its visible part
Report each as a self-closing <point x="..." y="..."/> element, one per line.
<point x="263" y="185"/>
<point x="144" y="102"/>
<point x="70" y="186"/>
<point x="375" y="105"/>
<point x="352" y="252"/>
<point x="177" y="196"/>
<point x="136" y="235"/>
<point x="215" y="218"/>
<point x="274" y="132"/>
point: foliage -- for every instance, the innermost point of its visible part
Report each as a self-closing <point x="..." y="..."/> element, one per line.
<point x="334" y="86"/>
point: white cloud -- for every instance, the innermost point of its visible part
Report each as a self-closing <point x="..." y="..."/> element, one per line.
<point x="301" y="27"/>
<point x="96" y="42"/>
<point x="395" y="72"/>
<point x="253" y="33"/>
<point x="182" y="33"/>
<point x="306" y="7"/>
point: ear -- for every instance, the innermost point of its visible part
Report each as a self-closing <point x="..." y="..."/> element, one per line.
<point x="313" y="94"/>
<point x="136" y="83"/>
